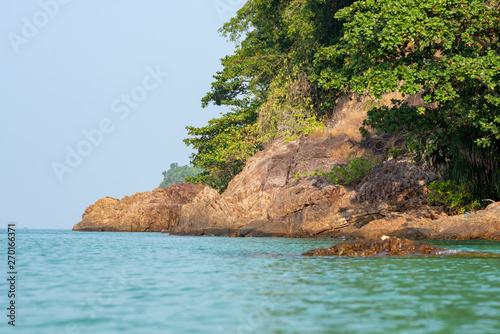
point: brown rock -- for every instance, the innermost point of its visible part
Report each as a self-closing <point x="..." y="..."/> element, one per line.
<point x="385" y="246"/>
<point x="422" y="224"/>
<point x="143" y="212"/>
<point x="397" y="181"/>
<point x="493" y="206"/>
<point x="266" y="200"/>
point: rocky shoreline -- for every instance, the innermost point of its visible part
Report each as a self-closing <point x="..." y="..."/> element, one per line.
<point x="265" y="200"/>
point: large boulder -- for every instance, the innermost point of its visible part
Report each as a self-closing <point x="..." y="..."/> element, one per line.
<point x="150" y="211"/>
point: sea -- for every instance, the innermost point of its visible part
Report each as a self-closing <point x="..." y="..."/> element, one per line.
<point x="78" y="282"/>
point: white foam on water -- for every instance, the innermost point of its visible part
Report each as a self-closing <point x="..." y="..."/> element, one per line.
<point x="449" y="252"/>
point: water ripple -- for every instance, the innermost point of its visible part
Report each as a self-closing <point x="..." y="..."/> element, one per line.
<point x="153" y="283"/>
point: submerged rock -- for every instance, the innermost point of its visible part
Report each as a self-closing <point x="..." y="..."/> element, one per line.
<point x="385" y="246"/>
<point x="150" y="211"/>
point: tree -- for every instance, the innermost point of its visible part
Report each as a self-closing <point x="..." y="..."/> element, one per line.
<point x="178" y="174"/>
<point x="223" y="146"/>
<point x="269" y="82"/>
<point x="447" y="50"/>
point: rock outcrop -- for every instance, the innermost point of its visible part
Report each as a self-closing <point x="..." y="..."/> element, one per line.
<point x="266" y="200"/>
<point x="385" y="246"/>
<point x="143" y="212"/>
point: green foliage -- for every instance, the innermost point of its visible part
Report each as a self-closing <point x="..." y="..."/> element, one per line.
<point x="289" y="110"/>
<point x="449" y="51"/>
<point x="452" y="195"/>
<point x="297" y="177"/>
<point x="357" y="168"/>
<point x="316" y="172"/>
<point x="394" y="153"/>
<point x="350" y="175"/>
<point x="269" y="82"/>
<point x="304" y="126"/>
<point x="223" y="146"/>
<point x="177" y="174"/>
<point x="478" y="167"/>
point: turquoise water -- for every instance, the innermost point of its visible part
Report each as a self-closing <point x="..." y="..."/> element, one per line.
<point x="73" y="282"/>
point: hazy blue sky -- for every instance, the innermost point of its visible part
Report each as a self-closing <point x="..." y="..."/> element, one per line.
<point x="70" y="67"/>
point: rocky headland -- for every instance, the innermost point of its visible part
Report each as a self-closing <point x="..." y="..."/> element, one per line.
<point x="150" y="211"/>
<point x="265" y="199"/>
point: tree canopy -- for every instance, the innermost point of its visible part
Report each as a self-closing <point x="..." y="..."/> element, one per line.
<point x="294" y="58"/>
<point x="447" y="50"/>
<point x="177" y="174"/>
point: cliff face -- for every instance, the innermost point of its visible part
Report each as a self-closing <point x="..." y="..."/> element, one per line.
<point x="143" y="212"/>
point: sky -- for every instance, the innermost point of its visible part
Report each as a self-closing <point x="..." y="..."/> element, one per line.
<point x="95" y="97"/>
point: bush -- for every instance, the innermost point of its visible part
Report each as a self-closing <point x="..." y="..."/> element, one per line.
<point x="357" y="168"/>
<point x="452" y="195"/>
